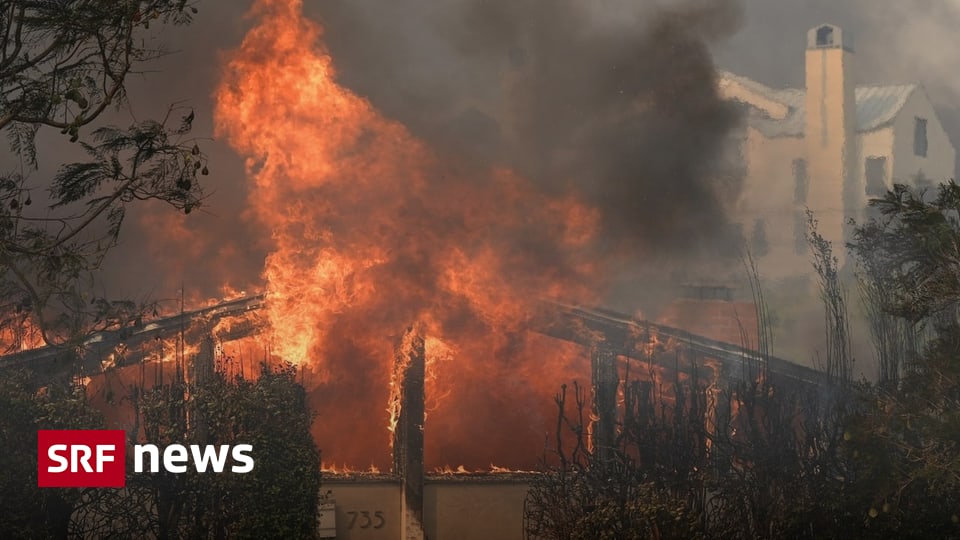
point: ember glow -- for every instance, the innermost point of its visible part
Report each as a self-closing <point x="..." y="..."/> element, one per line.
<point x="374" y="232"/>
<point x="20" y="335"/>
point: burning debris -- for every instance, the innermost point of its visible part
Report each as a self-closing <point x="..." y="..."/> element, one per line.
<point x="376" y="226"/>
<point x="373" y="231"/>
<point x="379" y="221"/>
<point x="617" y="342"/>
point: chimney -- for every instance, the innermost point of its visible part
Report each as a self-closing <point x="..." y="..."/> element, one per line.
<point x="830" y="132"/>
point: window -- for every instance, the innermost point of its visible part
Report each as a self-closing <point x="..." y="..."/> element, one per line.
<point x="800" y="232"/>
<point x="758" y="240"/>
<point x="920" y="137"/>
<point x="801" y="181"/>
<point x="876" y="172"/>
<point x="824" y="36"/>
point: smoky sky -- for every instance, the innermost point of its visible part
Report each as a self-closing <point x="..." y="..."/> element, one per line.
<point x="444" y="68"/>
<point x="622" y="110"/>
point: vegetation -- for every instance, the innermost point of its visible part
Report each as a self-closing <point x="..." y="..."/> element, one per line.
<point x="839" y="358"/>
<point x="29" y="512"/>
<point x="64" y="66"/>
<point x="592" y="495"/>
<point x="908" y="437"/>
<point x="764" y="458"/>
<point x="693" y="460"/>
<point x="277" y="500"/>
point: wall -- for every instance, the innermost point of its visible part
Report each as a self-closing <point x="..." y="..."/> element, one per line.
<point x="938" y="165"/>
<point x="474" y="510"/>
<point x="366" y="508"/>
<point x="768" y="194"/>
<point x="456" y="507"/>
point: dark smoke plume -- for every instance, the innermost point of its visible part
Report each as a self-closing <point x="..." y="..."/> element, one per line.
<point x="439" y="67"/>
<point x="618" y="103"/>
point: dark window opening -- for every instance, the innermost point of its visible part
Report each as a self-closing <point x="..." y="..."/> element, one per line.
<point x="824" y="36"/>
<point x="920" y="137"/>
<point x="801" y="181"/>
<point x="876" y="172"/>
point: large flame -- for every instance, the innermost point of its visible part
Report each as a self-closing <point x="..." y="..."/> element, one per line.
<point x="19" y="334"/>
<point x="373" y="232"/>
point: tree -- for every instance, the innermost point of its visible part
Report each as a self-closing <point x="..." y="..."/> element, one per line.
<point x="633" y="491"/>
<point x="760" y="458"/>
<point x="748" y="455"/>
<point x="839" y="357"/>
<point x="278" y="499"/>
<point x="906" y="437"/>
<point x="28" y="511"/>
<point x="913" y="245"/>
<point x="63" y="64"/>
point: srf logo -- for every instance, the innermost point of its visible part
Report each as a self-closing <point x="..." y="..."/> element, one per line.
<point x="81" y="458"/>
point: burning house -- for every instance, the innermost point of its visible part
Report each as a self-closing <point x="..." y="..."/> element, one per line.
<point x="431" y="303"/>
<point x="415" y="497"/>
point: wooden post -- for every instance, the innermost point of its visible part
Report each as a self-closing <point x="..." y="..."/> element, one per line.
<point x="603" y="363"/>
<point x="408" y="434"/>
<point x="201" y="372"/>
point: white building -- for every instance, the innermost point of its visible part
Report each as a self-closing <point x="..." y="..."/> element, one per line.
<point x="829" y="147"/>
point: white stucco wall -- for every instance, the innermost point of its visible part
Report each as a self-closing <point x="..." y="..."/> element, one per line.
<point x="768" y="190"/>
<point x="874" y="144"/>
<point x="459" y="508"/>
<point x="938" y="165"/>
<point x="768" y="194"/>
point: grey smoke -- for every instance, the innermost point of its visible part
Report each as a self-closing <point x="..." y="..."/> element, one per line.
<point x="435" y="67"/>
<point x="615" y="100"/>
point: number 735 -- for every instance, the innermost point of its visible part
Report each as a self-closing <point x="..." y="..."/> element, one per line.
<point x="362" y="519"/>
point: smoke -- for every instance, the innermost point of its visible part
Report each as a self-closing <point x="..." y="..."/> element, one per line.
<point x="615" y="104"/>
<point x="440" y="69"/>
<point x="924" y="28"/>
<point x="613" y="100"/>
<point x="918" y="36"/>
<point x="457" y="205"/>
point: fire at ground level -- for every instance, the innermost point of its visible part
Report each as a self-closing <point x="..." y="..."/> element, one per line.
<point x="415" y="500"/>
<point x="418" y="495"/>
<point x="607" y="348"/>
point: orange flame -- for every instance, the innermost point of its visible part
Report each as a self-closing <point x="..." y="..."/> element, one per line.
<point x="372" y="232"/>
<point x="20" y="335"/>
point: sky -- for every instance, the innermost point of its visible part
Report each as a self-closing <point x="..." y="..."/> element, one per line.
<point x="427" y="65"/>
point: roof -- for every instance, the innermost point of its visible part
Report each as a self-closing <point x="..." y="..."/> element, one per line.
<point x="877" y="105"/>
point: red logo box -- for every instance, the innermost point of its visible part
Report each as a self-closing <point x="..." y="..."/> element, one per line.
<point x="81" y="458"/>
